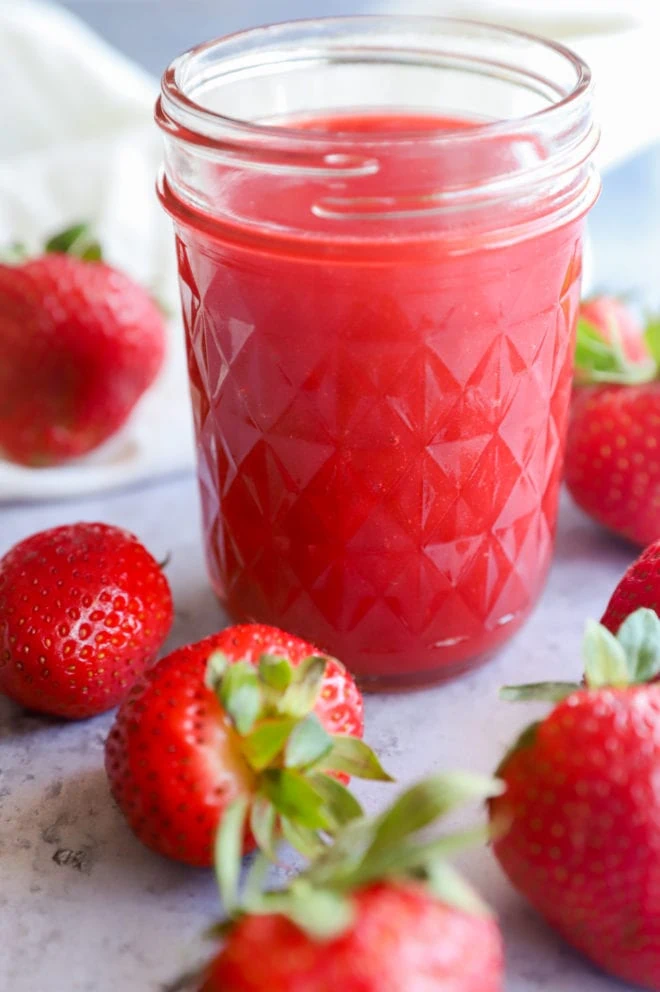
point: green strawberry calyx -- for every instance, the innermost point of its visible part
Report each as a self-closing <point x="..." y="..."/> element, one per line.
<point x="601" y="361"/>
<point x="289" y="753"/>
<point x="76" y="240"/>
<point x="631" y="657"/>
<point x="393" y="846"/>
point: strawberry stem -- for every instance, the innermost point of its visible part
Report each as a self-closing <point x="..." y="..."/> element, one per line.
<point x="291" y="756"/>
<point x="631" y="657"/>
<point x="393" y="845"/>
<point x="540" y="692"/>
<point x="228" y="852"/>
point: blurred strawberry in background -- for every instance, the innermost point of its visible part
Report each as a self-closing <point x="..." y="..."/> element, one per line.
<point x="613" y="444"/>
<point x="80" y="342"/>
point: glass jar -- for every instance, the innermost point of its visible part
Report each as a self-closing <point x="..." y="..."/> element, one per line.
<point x="379" y="231"/>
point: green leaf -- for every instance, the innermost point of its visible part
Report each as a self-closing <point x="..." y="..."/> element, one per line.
<point x="91" y="252"/>
<point x="77" y="241"/>
<point x="308" y="743"/>
<point x="342" y="806"/>
<point x="300" y="698"/>
<point x="216" y="667"/>
<point x="409" y="857"/>
<point x="451" y="888"/>
<point x="343" y="857"/>
<point x="276" y="673"/>
<point x="353" y="756"/>
<point x="652" y="338"/>
<point x="255" y="880"/>
<point x="601" y="361"/>
<point x="266" y="741"/>
<point x="228" y="852"/>
<point x="65" y="239"/>
<point x="605" y="659"/>
<point x="592" y="352"/>
<point x="425" y="802"/>
<point x="639" y="636"/>
<point x="295" y="797"/>
<point x="302" y="839"/>
<point x="390" y="846"/>
<point x="240" y="694"/>
<point x="263" y="821"/>
<point x="320" y="913"/>
<point x="543" y="692"/>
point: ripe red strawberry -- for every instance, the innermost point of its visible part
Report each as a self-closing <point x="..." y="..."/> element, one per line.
<point x="402" y="940"/>
<point x="639" y="587"/>
<point x="613" y="445"/>
<point x="613" y="458"/>
<point x="84" y="610"/>
<point x="80" y="344"/>
<point x="250" y="711"/>
<point x="584" y="805"/>
<point x="379" y="912"/>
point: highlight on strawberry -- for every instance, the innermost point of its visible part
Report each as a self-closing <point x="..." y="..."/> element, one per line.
<point x="80" y="342"/>
<point x="250" y="713"/>
<point x="583" y="803"/>
<point x="379" y="910"/>
<point x="613" y="445"/>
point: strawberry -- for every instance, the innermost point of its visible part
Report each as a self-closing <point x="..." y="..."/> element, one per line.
<point x="83" y="610"/>
<point x="613" y="458"/>
<point x="252" y="712"/>
<point x="80" y="344"/>
<point x="379" y="911"/>
<point x="583" y="803"/>
<point x="612" y="465"/>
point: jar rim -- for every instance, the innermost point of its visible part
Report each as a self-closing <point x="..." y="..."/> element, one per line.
<point x="178" y="107"/>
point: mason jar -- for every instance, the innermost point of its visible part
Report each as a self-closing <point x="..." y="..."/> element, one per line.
<point x="379" y="225"/>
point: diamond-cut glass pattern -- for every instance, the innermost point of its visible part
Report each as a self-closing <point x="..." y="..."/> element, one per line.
<point x="380" y="446"/>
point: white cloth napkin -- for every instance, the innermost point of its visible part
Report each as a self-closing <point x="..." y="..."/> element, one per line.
<point x="77" y="141"/>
